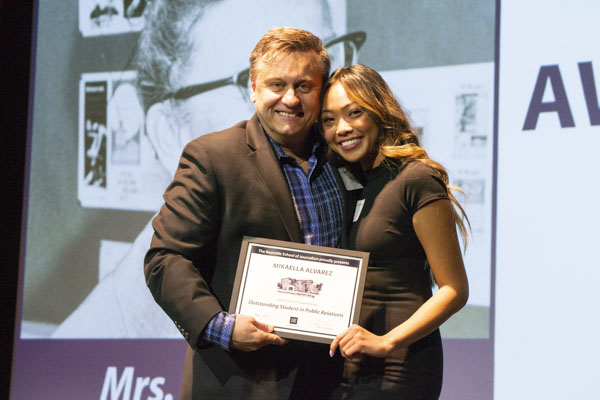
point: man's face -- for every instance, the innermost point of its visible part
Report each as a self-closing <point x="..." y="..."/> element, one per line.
<point x="286" y="92"/>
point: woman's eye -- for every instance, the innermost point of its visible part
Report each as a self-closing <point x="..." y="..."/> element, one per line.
<point x="356" y="112"/>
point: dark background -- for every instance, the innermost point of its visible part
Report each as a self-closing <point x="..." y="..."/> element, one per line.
<point x="15" y="51"/>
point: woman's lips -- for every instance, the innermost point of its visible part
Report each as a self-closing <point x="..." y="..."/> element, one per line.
<point x="350" y="144"/>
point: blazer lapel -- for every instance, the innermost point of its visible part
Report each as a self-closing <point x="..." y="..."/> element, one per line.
<point x="262" y="157"/>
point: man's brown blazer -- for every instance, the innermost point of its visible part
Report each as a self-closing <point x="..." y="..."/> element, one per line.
<point x="228" y="185"/>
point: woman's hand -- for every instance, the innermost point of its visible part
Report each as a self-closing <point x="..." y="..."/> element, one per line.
<point x="356" y="341"/>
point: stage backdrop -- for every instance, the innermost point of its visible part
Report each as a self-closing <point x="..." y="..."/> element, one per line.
<point x="99" y="161"/>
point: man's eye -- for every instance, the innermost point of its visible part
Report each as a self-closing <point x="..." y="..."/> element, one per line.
<point x="304" y="88"/>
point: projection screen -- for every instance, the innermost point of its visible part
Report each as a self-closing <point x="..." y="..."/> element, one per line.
<point x="98" y="165"/>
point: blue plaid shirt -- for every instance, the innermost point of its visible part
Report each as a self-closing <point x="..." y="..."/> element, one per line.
<point x="316" y="196"/>
<point x="319" y="208"/>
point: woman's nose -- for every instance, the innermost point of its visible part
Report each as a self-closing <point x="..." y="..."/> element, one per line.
<point x="343" y="127"/>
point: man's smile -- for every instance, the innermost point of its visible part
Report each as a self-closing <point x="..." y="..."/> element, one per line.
<point x="289" y="114"/>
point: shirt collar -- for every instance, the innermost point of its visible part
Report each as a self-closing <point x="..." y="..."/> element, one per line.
<point x="317" y="148"/>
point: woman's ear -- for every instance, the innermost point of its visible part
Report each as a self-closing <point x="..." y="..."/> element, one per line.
<point x="164" y="136"/>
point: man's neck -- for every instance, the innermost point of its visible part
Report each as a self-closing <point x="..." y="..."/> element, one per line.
<point x="300" y="151"/>
<point x="299" y="146"/>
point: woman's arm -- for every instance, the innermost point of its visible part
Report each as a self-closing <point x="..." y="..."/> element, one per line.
<point x="435" y="227"/>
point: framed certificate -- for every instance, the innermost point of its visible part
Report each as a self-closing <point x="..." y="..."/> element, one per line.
<point x="306" y="292"/>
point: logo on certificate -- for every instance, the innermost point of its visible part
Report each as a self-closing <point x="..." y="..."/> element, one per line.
<point x="303" y="287"/>
<point x="294" y="320"/>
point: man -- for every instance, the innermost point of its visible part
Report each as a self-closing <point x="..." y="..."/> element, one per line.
<point x="265" y="177"/>
<point x="183" y="43"/>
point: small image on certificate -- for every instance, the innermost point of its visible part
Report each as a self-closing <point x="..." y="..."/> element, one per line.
<point x="306" y="292"/>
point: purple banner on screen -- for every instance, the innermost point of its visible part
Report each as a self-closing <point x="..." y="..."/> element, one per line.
<point x="98" y="369"/>
<point x="152" y="369"/>
<point x="468" y="369"/>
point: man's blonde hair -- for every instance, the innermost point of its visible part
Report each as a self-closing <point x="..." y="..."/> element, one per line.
<point x="286" y="40"/>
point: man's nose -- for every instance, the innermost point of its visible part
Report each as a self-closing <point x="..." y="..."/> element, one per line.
<point x="289" y="98"/>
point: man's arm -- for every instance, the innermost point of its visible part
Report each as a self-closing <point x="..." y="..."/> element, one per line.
<point x="186" y="230"/>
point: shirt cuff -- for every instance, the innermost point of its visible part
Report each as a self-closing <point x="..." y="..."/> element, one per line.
<point x="219" y="329"/>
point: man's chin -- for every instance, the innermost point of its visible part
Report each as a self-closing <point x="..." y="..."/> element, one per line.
<point x="289" y="134"/>
<point x="295" y="131"/>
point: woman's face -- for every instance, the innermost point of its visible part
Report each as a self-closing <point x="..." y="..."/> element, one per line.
<point x="348" y="128"/>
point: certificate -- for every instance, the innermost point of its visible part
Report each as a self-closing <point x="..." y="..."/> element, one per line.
<point x="306" y="292"/>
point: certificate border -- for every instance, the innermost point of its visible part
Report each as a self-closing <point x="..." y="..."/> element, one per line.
<point x="301" y="334"/>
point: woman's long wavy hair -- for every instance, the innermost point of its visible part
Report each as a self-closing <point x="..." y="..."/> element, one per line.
<point x="397" y="139"/>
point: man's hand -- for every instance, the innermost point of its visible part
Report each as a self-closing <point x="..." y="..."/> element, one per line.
<point x="250" y="334"/>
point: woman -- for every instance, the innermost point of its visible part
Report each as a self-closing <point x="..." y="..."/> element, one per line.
<point x="406" y="220"/>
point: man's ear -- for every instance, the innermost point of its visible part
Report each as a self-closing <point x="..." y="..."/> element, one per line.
<point x="252" y="91"/>
<point x="164" y="136"/>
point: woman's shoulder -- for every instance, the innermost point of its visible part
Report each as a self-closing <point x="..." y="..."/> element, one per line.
<point x="417" y="183"/>
<point x="414" y="170"/>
